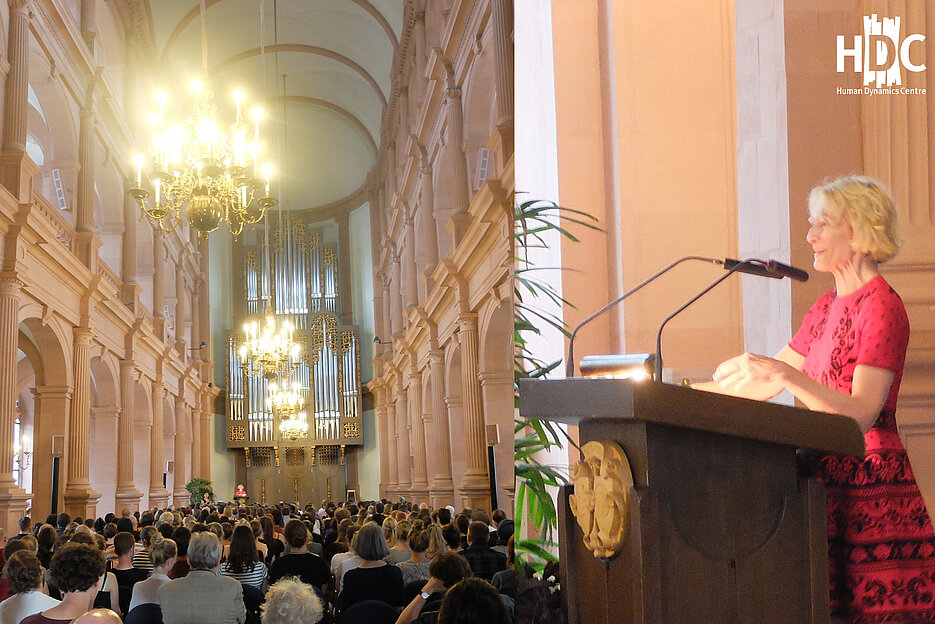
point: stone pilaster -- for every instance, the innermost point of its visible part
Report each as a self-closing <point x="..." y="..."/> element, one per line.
<point x="410" y="272"/>
<point x="393" y="447"/>
<point x="474" y="487"/>
<point x="420" y="483"/>
<point x="80" y="499"/>
<point x="130" y="290"/>
<point x="197" y="416"/>
<point x="205" y="439"/>
<point x="181" y="317"/>
<point x="427" y="230"/>
<point x="12" y="498"/>
<point x="403" y="431"/>
<point x="158" y="496"/>
<point x="442" y="489"/>
<point x="127" y="494"/>
<point x="383" y="434"/>
<point x="159" y="282"/>
<point x="86" y="241"/>
<point x="179" y="493"/>
<point x="501" y="14"/>
<point x="396" y="296"/>
<point x="16" y="169"/>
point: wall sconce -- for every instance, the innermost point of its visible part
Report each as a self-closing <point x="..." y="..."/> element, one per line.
<point x="200" y="347"/>
<point x="376" y="340"/>
<point x="23" y="457"/>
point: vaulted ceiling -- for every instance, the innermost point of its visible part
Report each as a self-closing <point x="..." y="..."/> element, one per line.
<point x="321" y="66"/>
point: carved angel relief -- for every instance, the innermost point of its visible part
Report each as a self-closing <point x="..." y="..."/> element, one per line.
<point x="601" y="501"/>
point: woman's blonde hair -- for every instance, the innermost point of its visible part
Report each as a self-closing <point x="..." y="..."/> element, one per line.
<point x="868" y="207"/>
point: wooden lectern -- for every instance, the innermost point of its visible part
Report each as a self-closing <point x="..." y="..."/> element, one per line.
<point x="722" y="529"/>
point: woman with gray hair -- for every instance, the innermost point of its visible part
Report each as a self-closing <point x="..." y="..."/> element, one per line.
<point x="373" y="579"/>
<point x="291" y="601"/>
<point x="847" y="358"/>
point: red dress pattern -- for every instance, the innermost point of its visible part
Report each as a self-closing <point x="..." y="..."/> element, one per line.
<point x="881" y="545"/>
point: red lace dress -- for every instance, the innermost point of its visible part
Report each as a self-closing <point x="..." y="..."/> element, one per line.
<point x="880" y="541"/>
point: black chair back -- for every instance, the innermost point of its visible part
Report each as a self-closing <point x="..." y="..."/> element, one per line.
<point x="149" y="613"/>
<point x="370" y="612"/>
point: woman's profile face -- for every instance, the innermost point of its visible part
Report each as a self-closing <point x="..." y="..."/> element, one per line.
<point x="830" y="237"/>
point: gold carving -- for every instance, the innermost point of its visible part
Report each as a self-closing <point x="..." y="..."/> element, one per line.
<point x="601" y="500"/>
<point x="236" y="433"/>
<point x="351" y="430"/>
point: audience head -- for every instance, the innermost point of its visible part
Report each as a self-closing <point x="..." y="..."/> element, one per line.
<point x="110" y="530"/>
<point x="182" y="537"/>
<point x="290" y="601"/>
<point x="505" y="531"/>
<point x="444" y="516"/>
<point x="23" y="571"/>
<point x="463" y="523"/>
<point x="389" y="532"/>
<point x="123" y="544"/>
<point x="76" y="567"/>
<point x="296" y="533"/>
<point x="450" y="568"/>
<point x="369" y="543"/>
<point x="146" y="535"/>
<point x="452" y="536"/>
<point x="498" y="516"/>
<point x="125" y="525"/>
<point x="98" y="616"/>
<point x="470" y="601"/>
<point x="163" y="552"/>
<point x="63" y="520"/>
<point x="17" y="545"/>
<point x="25" y="523"/>
<point x="46" y="537"/>
<point x="243" y="554"/>
<point x="204" y="551"/>
<point x="478" y="533"/>
<point x="165" y="530"/>
<point x="419" y="541"/>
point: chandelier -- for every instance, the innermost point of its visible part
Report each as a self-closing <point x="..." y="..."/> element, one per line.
<point x="286" y="405"/>
<point x="269" y="350"/>
<point x="212" y="173"/>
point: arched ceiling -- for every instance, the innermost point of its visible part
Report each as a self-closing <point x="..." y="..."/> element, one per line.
<point x="337" y="58"/>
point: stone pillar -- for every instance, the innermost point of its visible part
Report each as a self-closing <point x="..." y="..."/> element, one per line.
<point x="86" y="242"/>
<point x="88" y="23"/>
<point x="130" y="291"/>
<point x="158" y="496"/>
<point x="16" y="169"/>
<point x="420" y="483"/>
<point x="12" y="498"/>
<point x="52" y="407"/>
<point x="345" y="289"/>
<point x="159" y="283"/>
<point x="459" y="217"/>
<point x="409" y="266"/>
<point x="403" y="431"/>
<point x="80" y="499"/>
<point x="393" y="444"/>
<point x="474" y="487"/>
<point x="501" y="13"/>
<point x="181" y="318"/>
<point x="127" y="494"/>
<point x="197" y="416"/>
<point x="390" y="173"/>
<point x="179" y="493"/>
<point x="396" y="297"/>
<point x="403" y="110"/>
<point x="418" y="36"/>
<point x="205" y="440"/>
<point x="383" y="437"/>
<point x="387" y="313"/>
<point x="196" y="324"/>
<point x="442" y="490"/>
<point x="427" y="230"/>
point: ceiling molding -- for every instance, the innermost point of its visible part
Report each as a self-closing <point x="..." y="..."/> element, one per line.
<point x="304" y="49"/>
<point x="385" y="25"/>
<point x="303" y="99"/>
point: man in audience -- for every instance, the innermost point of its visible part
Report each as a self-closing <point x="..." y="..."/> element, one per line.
<point x="25" y="524"/>
<point x="127" y="576"/>
<point x="203" y="597"/>
<point x="62" y="522"/>
<point x="77" y="570"/>
<point x="310" y="568"/>
<point x="484" y="561"/>
<point x="290" y="601"/>
<point x="99" y="616"/>
<point x="25" y="576"/>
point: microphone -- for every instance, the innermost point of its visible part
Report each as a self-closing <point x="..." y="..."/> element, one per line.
<point x="570" y="361"/>
<point x="753" y="266"/>
<point x="768" y="268"/>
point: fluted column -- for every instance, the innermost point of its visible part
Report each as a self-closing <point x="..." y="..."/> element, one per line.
<point x="179" y="493"/>
<point x="458" y="217"/>
<point x="392" y="486"/>
<point x="418" y="35"/>
<point x="130" y="290"/>
<point x="181" y="318"/>
<point x="442" y="490"/>
<point x="88" y="23"/>
<point x="127" y="494"/>
<point x="383" y="436"/>
<point x="80" y="499"/>
<point x="159" y="273"/>
<point x="420" y="483"/>
<point x="404" y="111"/>
<point x="388" y="328"/>
<point x="427" y="230"/>
<point x="84" y="200"/>
<point x="409" y="265"/>
<point x="9" y="327"/>
<point x="197" y="416"/>
<point x="390" y="173"/>
<point x="403" y="433"/>
<point x="501" y="13"/>
<point x="157" y="492"/>
<point x="396" y="297"/>
<point x="205" y="440"/>
<point x="16" y="168"/>
<point x="15" y="107"/>
<point x="473" y="488"/>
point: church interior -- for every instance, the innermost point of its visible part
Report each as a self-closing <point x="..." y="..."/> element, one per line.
<point x="261" y="243"/>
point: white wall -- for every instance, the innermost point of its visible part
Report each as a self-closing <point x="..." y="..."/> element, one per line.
<point x="222" y="460"/>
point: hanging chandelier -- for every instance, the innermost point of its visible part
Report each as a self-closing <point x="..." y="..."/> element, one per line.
<point x="268" y="348"/>
<point x="212" y="173"/>
<point x="286" y="405"/>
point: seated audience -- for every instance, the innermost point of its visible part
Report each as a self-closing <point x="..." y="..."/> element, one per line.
<point x="78" y="571"/>
<point x="25" y="577"/>
<point x="181" y="536"/>
<point x="471" y="601"/>
<point x="108" y="595"/>
<point x="183" y="600"/>
<point x="244" y="561"/>
<point x="374" y="579"/>
<point x="452" y="538"/>
<point x="484" y="561"/>
<point x="98" y="616"/>
<point x="446" y="570"/>
<point x="505" y="580"/>
<point x="416" y="568"/>
<point x="163" y="555"/>
<point x="274" y="546"/>
<point x="142" y="559"/>
<point x="310" y="568"/>
<point x="46" y="539"/>
<point x="400" y="550"/>
<point x="290" y="601"/>
<point x="126" y="575"/>
<point x="25" y="525"/>
<point x="342" y="562"/>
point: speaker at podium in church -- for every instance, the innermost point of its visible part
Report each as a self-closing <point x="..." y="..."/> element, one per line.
<point x="689" y="506"/>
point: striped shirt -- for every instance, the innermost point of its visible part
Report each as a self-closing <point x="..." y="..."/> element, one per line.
<point x="143" y="561"/>
<point x="253" y="576"/>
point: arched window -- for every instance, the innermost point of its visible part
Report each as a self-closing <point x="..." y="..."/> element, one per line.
<point x="33" y="100"/>
<point x="34" y="150"/>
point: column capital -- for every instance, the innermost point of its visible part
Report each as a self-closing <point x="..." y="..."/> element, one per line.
<point x="19" y="6"/>
<point x="467" y="321"/>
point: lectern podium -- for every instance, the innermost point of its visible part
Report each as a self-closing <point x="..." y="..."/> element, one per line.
<point x="722" y="529"/>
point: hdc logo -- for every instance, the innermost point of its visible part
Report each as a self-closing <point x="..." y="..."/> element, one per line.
<point x="880" y="53"/>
